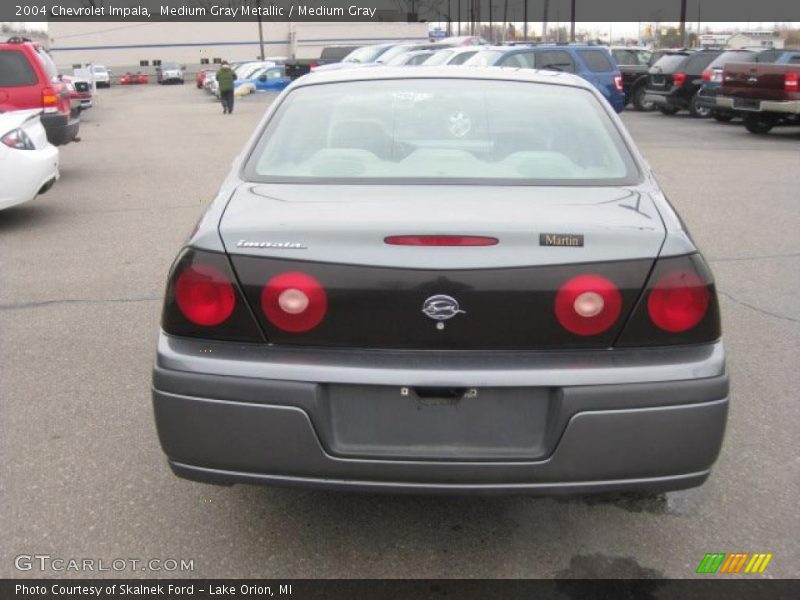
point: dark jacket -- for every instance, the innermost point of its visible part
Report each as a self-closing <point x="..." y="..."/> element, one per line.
<point x="225" y="78"/>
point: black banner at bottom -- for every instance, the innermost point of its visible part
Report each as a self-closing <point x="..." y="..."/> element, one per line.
<point x="393" y="589"/>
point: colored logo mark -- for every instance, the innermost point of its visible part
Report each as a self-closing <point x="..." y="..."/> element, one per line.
<point x="736" y="562"/>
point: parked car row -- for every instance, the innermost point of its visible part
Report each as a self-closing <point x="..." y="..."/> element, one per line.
<point x="251" y="76"/>
<point x="760" y="87"/>
<point x="36" y="115"/>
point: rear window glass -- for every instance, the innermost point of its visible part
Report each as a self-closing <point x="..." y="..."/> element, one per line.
<point x="555" y="60"/>
<point x="669" y="63"/>
<point x="336" y="53"/>
<point x="436" y="130"/>
<point x="597" y="61"/>
<point x="439" y="58"/>
<point x="15" y="70"/>
<point x="484" y="59"/>
<point x="462" y="58"/>
<point x="48" y="64"/>
<point x="731" y="56"/>
<point x="698" y="62"/>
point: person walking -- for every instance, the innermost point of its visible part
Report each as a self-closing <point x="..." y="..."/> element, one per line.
<point x="225" y="78"/>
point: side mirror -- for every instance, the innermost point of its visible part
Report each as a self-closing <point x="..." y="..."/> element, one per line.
<point x="262" y="78"/>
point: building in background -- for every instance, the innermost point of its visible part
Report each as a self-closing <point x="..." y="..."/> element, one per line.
<point x="145" y="45"/>
<point x="754" y="40"/>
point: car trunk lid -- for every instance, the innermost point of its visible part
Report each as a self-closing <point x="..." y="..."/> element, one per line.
<point x="377" y="292"/>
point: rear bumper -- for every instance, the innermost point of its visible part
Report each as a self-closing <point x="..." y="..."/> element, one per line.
<point x="790" y="107"/>
<point x="61" y="129"/>
<point x="36" y="171"/>
<point x="229" y="413"/>
<point x="666" y="98"/>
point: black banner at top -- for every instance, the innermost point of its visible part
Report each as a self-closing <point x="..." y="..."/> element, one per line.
<point x="750" y="12"/>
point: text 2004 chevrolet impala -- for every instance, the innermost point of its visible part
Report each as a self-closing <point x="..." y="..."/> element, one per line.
<point x="446" y="279"/>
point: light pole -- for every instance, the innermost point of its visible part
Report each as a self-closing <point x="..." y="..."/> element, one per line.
<point x="260" y="31"/>
<point x="572" y="24"/>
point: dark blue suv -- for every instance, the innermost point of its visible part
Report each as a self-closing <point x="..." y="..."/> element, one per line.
<point x="594" y="63"/>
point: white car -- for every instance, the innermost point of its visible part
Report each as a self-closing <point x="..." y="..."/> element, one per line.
<point x="451" y="56"/>
<point x="28" y="162"/>
<point x="102" y="76"/>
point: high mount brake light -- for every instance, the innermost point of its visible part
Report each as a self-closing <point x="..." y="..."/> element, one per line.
<point x="678" y="301"/>
<point x="588" y="304"/>
<point x="441" y="240"/>
<point x="294" y="302"/>
<point x="205" y="295"/>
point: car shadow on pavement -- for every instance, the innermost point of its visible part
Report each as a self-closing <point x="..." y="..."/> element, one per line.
<point x="25" y="215"/>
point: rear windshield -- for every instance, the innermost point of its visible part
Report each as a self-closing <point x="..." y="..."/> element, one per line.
<point x="669" y="63"/>
<point x="487" y="58"/>
<point x="439" y="58"/>
<point x="15" y="70"/>
<point x="463" y="57"/>
<point x="597" y="61"/>
<point x="732" y="56"/>
<point x="335" y="52"/>
<point x="48" y="64"/>
<point x="631" y="56"/>
<point x="440" y="130"/>
<point x="367" y="54"/>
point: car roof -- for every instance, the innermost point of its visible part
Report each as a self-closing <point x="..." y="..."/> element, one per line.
<point x="445" y="72"/>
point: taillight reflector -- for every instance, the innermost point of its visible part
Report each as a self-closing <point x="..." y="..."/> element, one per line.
<point x="205" y="295"/>
<point x="678" y="79"/>
<point x="678" y="301"/>
<point x="790" y="82"/>
<point x="294" y="302"/>
<point x="49" y="97"/>
<point x="588" y="304"/>
<point x="441" y="240"/>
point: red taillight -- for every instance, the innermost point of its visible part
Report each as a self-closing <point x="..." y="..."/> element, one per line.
<point x="790" y="82"/>
<point x="618" y="82"/>
<point x="441" y="240"/>
<point x="49" y="97"/>
<point x="678" y="301"/>
<point x="707" y="75"/>
<point x="588" y="304"/>
<point x="678" y="79"/>
<point x="205" y="295"/>
<point x="294" y="302"/>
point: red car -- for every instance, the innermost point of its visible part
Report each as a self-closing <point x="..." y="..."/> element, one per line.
<point x="201" y="77"/>
<point x="29" y="79"/>
<point x="134" y="79"/>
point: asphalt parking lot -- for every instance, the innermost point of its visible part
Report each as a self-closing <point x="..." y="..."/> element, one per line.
<point x="82" y="271"/>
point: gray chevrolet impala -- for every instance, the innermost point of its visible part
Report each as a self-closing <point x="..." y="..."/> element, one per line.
<point x="441" y="280"/>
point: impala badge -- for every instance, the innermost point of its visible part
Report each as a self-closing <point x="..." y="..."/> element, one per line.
<point x="441" y="308"/>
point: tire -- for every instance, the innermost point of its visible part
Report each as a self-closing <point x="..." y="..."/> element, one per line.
<point x="639" y="101"/>
<point x="697" y="111"/>
<point x="668" y="110"/>
<point x="759" y="124"/>
<point x="722" y="117"/>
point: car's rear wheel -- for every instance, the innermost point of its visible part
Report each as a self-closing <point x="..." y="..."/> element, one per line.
<point x="639" y="103"/>
<point x="722" y="117"/>
<point x="698" y="111"/>
<point x="759" y="123"/>
<point x="668" y="110"/>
